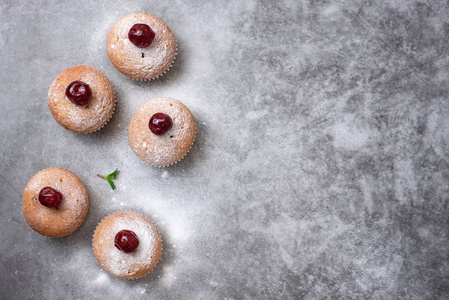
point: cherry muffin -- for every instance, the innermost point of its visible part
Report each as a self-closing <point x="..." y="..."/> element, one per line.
<point x="55" y="202"/>
<point x="127" y="245"/>
<point x="162" y="131"/>
<point x="141" y="46"/>
<point x="81" y="99"/>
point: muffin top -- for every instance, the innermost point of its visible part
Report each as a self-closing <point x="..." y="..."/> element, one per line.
<point x="170" y="147"/>
<point x="68" y="215"/>
<point x="82" y="118"/>
<point x="142" y="63"/>
<point x="136" y="263"/>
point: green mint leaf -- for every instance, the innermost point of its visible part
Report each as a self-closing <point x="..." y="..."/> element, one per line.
<point x="111" y="183"/>
<point x="112" y="175"/>
<point x="109" y="178"/>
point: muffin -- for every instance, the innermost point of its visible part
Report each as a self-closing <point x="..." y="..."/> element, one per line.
<point x="162" y="131"/>
<point x="127" y="245"/>
<point x="81" y="99"/>
<point x="141" y="46"/>
<point x="55" y="202"/>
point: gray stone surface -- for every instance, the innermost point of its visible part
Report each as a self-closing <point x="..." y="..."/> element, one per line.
<point x="320" y="169"/>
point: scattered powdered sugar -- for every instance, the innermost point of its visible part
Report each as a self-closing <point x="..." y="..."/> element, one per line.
<point x="176" y="223"/>
<point x="101" y="279"/>
<point x="213" y="283"/>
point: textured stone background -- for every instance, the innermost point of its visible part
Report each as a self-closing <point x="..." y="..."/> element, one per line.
<point x="320" y="170"/>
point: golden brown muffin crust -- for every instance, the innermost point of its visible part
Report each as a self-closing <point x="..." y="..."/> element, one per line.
<point x="141" y="63"/>
<point x="161" y="151"/>
<point x="131" y="265"/>
<point x="61" y="221"/>
<point x="82" y="118"/>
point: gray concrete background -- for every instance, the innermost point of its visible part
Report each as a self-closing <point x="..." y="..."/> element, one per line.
<point x="320" y="170"/>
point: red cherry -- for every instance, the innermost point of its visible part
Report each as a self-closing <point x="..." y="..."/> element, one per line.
<point x="50" y="197"/>
<point x="160" y="123"/>
<point x="141" y="35"/>
<point x="78" y="92"/>
<point x="126" y="241"/>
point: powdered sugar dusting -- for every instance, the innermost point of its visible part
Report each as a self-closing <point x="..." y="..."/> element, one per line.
<point x="75" y="197"/>
<point x="70" y="213"/>
<point x="82" y="118"/>
<point x="101" y="279"/>
<point x="123" y="264"/>
<point x="170" y="147"/>
<point x="141" y="63"/>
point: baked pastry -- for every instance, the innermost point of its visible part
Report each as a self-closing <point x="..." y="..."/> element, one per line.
<point x="162" y="131"/>
<point x="127" y="245"/>
<point x="55" y="202"/>
<point x="141" y="46"/>
<point x="81" y="99"/>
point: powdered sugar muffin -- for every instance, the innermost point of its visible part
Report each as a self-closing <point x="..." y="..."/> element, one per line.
<point x="127" y="245"/>
<point x="81" y="99"/>
<point x="162" y="131"/>
<point x="141" y="46"/>
<point x="55" y="202"/>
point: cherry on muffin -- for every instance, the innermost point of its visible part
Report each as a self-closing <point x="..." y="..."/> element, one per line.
<point x="78" y="92"/>
<point x="160" y="123"/>
<point x="130" y="231"/>
<point x="156" y="150"/>
<point x="141" y="46"/>
<point x="50" y="197"/>
<point x="94" y="102"/>
<point x="55" y="202"/>
<point x="141" y="35"/>
<point x="126" y="241"/>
